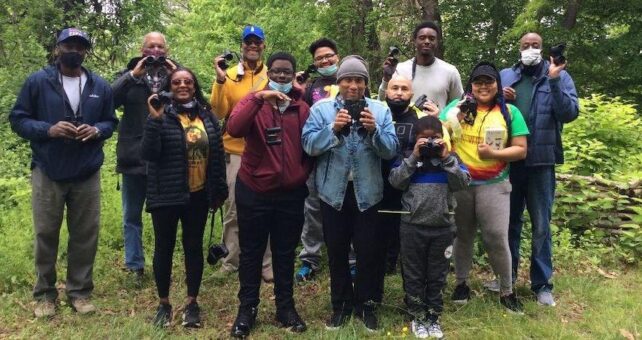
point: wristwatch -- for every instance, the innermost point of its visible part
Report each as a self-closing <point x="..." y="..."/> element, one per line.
<point x="98" y="133"/>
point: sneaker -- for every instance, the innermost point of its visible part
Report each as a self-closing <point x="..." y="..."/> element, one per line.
<point x="83" y="306"/>
<point x="434" y="330"/>
<point x="291" y="320"/>
<point x="492" y="285"/>
<point x="419" y="329"/>
<point x="305" y="273"/>
<point x="244" y="322"/>
<point x="512" y="304"/>
<point x="369" y="320"/>
<point x="353" y="272"/>
<point x="45" y="309"/>
<point x="338" y="319"/>
<point x="461" y="294"/>
<point x="163" y="315"/>
<point x="192" y="316"/>
<point x="545" y="298"/>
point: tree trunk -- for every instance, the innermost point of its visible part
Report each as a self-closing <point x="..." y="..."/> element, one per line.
<point x="570" y="17"/>
<point x="430" y="12"/>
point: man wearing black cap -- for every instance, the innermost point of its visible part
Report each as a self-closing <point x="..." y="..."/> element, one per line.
<point x="66" y="112"/>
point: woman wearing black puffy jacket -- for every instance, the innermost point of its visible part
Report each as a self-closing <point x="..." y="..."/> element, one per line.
<point x="185" y="178"/>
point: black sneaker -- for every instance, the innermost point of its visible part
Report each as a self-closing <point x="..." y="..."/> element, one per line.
<point x="192" y="316"/>
<point x="163" y="315"/>
<point x="244" y="322"/>
<point x="461" y="294"/>
<point x="291" y="320"/>
<point x="512" y="304"/>
<point x="369" y="320"/>
<point x="337" y="320"/>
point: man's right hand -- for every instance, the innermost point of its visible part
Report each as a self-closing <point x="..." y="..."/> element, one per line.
<point x="220" y="73"/>
<point x="62" y="129"/>
<point x="342" y="119"/>
<point x="139" y="69"/>
<point x="389" y="68"/>
<point x="509" y="93"/>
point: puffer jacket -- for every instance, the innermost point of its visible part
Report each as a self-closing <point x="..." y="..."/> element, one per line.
<point x="164" y="147"/>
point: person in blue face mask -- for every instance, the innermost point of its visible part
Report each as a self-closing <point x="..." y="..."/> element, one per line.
<point x="270" y="190"/>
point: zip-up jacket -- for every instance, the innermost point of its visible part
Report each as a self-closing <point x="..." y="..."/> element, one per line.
<point x="164" y="147"/>
<point x="428" y="195"/>
<point x="267" y="168"/>
<point x="42" y="103"/>
<point x="554" y="103"/>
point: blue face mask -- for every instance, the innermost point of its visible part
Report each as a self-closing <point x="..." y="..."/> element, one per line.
<point x="283" y="88"/>
<point x="328" y="70"/>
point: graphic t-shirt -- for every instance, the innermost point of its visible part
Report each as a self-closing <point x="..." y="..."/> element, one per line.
<point x="197" y="147"/>
<point x="488" y="123"/>
<point x="321" y="88"/>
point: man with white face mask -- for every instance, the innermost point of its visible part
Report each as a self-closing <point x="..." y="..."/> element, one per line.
<point x="545" y="94"/>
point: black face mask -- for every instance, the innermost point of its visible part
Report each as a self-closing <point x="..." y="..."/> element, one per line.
<point x="71" y="59"/>
<point x="397" y="106"/>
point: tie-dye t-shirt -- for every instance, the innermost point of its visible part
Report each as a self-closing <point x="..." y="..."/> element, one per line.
<point x="486" y="171"/>
<point x="197" y="146"/>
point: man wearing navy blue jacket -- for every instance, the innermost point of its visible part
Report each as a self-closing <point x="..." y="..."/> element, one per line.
<point x="545" y="94"/>
<point x="66" y="112"/>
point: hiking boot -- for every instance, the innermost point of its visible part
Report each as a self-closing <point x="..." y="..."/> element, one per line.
<point x="83" y="305"/>
<point x="545" y="298"/>
<point x="291" y="320"/>
<point x="492" y="285"/>
<point x="512" y="304"/>
<point x="338" y="319"/>
<point x="192" y="316"/>
<point x="434" y="330"/>
<point x="305" y="273"/>
<point x="244" y="322"/>
<point x="163" y="315"/>
<point x="369" y="320"/>
<point x="419" y="329"/>
<point x="461" y="295"/>
<point x="45" y="309"/>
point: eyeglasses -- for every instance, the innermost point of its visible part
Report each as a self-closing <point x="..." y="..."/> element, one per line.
<point x="322" y="58"/>
<point x="255" y="42"/>
<point x="281" y="72"/>
<point x="481" y="82"/>
<point x="177" y="82"/>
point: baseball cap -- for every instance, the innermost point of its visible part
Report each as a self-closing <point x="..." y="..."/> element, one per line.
<point x="485" y="69"/>
<point x="252" y="30"/>
<point x="72" y="32"/>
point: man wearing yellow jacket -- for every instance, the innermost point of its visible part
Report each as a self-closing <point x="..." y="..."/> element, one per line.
<point x="249" y="75"/>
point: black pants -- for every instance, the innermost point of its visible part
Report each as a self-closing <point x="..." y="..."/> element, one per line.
<point x="345" y="226"/>
<point x="193" y="217"/>
<point x="279" y="217"/>
<point x="424" y="265"/>
<point x="391" y="224"/>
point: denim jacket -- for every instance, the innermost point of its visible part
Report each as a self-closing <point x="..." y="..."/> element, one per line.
<point x="338" y="155"/>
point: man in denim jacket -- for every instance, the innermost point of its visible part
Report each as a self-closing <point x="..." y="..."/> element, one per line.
<point x="348" y="178"/>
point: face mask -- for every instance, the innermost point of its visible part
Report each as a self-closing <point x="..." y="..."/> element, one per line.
<point x="531" y="56"/>
<point x="283" y="88"/>
<point x="71" y="59"/>
<point x="397" y="106"/>
<point x="328" y="70"/>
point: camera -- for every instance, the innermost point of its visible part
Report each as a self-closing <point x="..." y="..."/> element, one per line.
<point x="430" y="150"/>
<point x="227" y="56"/>
<point x="306" y="74"/>
<point x="163" y="98"/>
<point x="557" y="52"/>
<point x="393" y="52"/>
<point x="469" y="109"/>
<point x="419" y="103"/>
<point x="216" y="252"/>
<point x="272" y="135"/>
<point x="76" y="120"/>
<point x="153" y="60"/>
<point x="354" y="107"/>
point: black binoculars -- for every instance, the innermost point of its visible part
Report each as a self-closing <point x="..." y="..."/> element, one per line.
<point x="272" y="135"/>
<point x="153" y="60"/>
<point x="227" y="56"/>
<point x="163" y="98"/>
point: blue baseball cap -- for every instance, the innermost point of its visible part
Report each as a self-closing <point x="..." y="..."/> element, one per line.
<point x="72" y="32"/>
<point x="252" y="30"/>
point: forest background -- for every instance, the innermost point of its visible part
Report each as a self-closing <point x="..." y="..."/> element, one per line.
<point x="597" y="218"/>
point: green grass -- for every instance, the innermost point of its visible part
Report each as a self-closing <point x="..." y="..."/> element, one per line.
<point x="590" y="305"/>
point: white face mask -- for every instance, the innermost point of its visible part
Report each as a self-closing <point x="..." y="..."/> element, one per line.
<point x="531" y="56"/>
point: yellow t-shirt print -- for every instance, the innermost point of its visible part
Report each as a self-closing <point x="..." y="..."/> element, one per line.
<point x="197" y="148"/>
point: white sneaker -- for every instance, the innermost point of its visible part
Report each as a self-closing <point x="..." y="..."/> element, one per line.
<point x="545" y="298"/>
<point x="492" y="285"/>
<point x="434" y="330"/>
<point x="419" y="329"/>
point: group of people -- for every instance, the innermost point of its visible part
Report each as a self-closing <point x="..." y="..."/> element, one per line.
<point x="292" y="159"/>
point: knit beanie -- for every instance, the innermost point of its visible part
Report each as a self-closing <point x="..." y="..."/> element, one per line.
<point x="353" y="66"/>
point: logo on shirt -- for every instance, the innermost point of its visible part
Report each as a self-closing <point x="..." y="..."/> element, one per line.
<point x="93" y="95"/>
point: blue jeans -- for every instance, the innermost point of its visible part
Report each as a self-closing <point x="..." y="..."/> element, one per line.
<point x="133" y="196"/>
<point x="533" y="188"/>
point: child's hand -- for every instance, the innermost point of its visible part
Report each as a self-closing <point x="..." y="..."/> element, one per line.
<point x="420" y="142"/>
<point x="444" y="148"/>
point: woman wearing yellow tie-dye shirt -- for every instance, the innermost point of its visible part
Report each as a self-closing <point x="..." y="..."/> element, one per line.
<point x="480" y="137"/>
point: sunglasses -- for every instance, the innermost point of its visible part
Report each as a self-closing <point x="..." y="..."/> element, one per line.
<point x="177" y="82"/>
